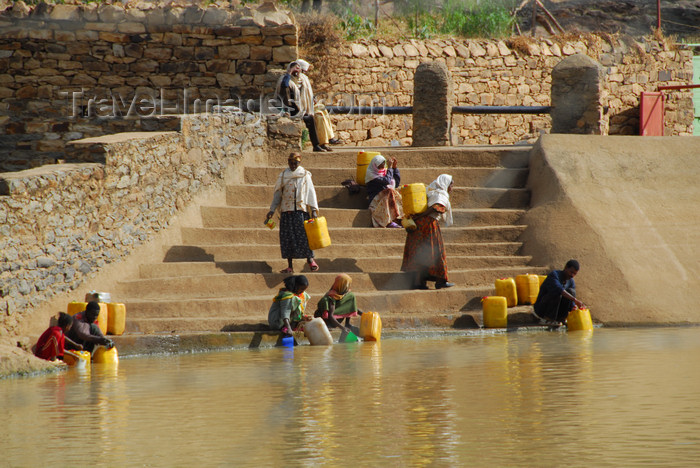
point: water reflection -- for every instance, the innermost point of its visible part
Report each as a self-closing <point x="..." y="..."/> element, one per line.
<point x="607" y="398"/>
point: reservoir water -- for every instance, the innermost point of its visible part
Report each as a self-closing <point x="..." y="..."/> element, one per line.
<point x="614" y="397"/>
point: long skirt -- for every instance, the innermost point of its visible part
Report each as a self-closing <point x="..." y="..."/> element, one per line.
<point x="385" y="207"/>
<point x="293" y="241"/>
<point x="424" y="252"/>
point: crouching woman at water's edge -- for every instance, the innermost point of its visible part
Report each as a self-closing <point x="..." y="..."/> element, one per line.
<point x="288" y="306"/>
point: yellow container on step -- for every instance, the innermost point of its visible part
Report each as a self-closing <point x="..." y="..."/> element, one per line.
<point x="363" y="160"/>
<point x="495" y="311"/>
<point x="528" y="287"/>
<point x="579" y="319"/>
<point x="102" y="355"/>
<point x="116" y="318"/>
<point x="75" y="358"/>
<point x="541" y="278"/>
<point x="414" y="198"/>
<point x="317" y="233"/>
<point x="371" y="326"/>
<point x="506" y="287"/>
<point x="102" y="319"/>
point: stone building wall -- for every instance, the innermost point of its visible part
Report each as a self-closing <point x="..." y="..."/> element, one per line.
<point x="499" y="73"/>
<point x="69" y="72"/>
<point x="61" y="223"/>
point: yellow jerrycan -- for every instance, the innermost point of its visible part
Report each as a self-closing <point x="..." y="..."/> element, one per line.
<point x="528" y="287"/>
<point x="363" y="160"/>
<point x="495" y="311"/>
<point x="541" y="278"/>
<point x="102" y="355"/>
<point x="506" y="287"/>
<point x="579" y="319"/>
<point x="317" y="332"/>
<point x="371" y="326"/>
<point x="414" y="198"/>
<point x="116" y="318"/>
<point x="102" y="319"/>
<point x="75" y="358"/>
<point x="317" y="233"/>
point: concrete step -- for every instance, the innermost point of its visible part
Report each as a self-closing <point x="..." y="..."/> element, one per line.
<point x="224" y="285"/>
<point x="436" y="301"/>
<point x="338" y="197"/>
<point x="341" y="265"/>
<point x="235" y="252"/>
<point x="259" y="234"/>
<point x="392" y="323"/>
<point x="221" y="217"/>
<point x="495" y="177"/>
<point x="447" y="156"/>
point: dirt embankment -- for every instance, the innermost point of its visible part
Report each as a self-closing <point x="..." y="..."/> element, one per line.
<point x="679" y="18"/>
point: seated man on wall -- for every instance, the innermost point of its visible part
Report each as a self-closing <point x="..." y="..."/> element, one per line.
<point x="86" y="332"/>
<point x="557" y="295"/>
<point x="324" y="127"/>
<point x="289" y="93"/>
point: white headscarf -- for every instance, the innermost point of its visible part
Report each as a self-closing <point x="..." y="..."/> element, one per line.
<point x="373" y="168"/>
<point x="437" y="193"/>
<point x="304" y="65"/>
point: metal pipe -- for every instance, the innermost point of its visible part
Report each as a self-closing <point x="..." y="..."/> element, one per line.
<point x="689" y="86"/>
<point x="502" y="109"/>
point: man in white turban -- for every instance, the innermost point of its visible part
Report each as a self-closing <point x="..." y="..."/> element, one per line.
<point x="324" y="128"/>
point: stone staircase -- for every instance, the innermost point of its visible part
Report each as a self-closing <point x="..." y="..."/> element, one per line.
<point x="225" y="273"/>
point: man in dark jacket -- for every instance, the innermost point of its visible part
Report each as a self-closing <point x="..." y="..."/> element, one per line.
<point x="557" y="295"/>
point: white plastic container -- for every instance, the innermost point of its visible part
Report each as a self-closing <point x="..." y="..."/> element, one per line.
<point x="317" y="332"/>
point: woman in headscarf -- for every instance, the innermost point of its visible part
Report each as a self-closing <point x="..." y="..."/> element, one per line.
<point x="338" y="303"/>
<point x="295" y="195"/>
<point x="424" y="252"/>
<point x="288" y="306"/>
<point x="384" y="200"/>
<point x="295" y="99"/>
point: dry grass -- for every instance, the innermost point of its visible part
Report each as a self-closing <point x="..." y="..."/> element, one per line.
<point x="319" y="35"/>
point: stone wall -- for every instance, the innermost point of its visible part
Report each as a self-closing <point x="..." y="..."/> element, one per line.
<point x="69" y="72"/>
<point x="60" y="224"/>
<point x="499" y="73"/>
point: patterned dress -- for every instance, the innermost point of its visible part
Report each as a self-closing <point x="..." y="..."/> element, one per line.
<point x="424" y="251"/>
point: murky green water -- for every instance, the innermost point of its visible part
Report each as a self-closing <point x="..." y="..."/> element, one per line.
<point x="627" y="397"/>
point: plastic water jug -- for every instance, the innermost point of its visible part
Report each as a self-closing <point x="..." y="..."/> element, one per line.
<point x="414" y="198"/>
<point x="541" y="278"/>
<point x="363" y="160"/>
<point x="528" y="287"/>
<point x="506" y="287"/>
<point x="495" y="311"/>
<point x="102" y="319"/>
<point x="75" y="358"/>
<point x="270" y="224"/>
<point x="317" y="233"/>
<point x="579" y="319"/>
<point x="371" y="326"/>
<point x="408" y="224"/>
<point x="116" y="318"/>
<point x="317" y="332"/>
<point x="102" y="355"/>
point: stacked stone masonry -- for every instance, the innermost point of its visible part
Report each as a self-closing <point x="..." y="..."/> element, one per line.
<point x="60" y="224"/>
<point x="500" y="73"/>
<point x="75" y="71"/>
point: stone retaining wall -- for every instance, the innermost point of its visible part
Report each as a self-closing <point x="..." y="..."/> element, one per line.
<point x="59" y="224"/>
<point x="499" y="73"/>
<point x="69" y="72"/>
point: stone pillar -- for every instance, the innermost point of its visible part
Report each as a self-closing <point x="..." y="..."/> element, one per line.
<point x="577" y="84"/>
<point x="432" y="105"/>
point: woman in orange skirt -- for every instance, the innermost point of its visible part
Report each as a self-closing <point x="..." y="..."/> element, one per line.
<point x="424" y="252"/>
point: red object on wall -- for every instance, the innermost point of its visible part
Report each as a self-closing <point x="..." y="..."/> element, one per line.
<point x="651" y="114"/>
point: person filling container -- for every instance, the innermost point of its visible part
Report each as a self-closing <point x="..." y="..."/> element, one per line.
<point x="338" y="303"/>
<point x="288" y="306"/>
